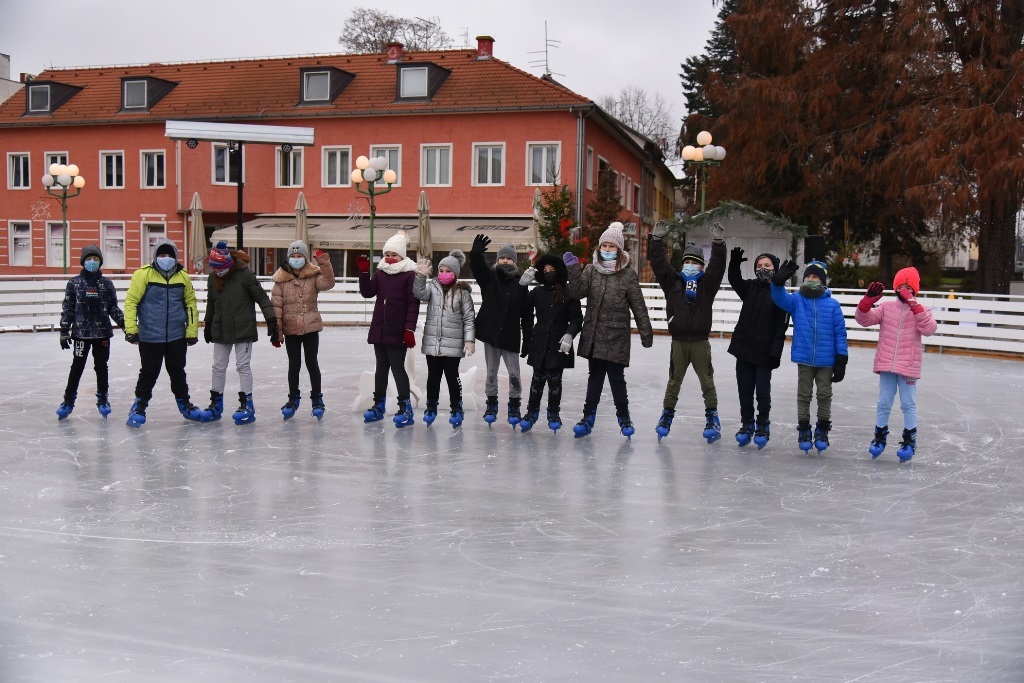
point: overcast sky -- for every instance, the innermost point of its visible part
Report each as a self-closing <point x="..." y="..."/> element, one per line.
<point x="604" y="45"/>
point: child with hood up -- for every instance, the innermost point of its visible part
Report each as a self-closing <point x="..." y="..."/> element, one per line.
<point x="448" y="332"/>
<point x="901" y="324"/>
<point x="393" y="325"/>
<point x="90" y="301"/>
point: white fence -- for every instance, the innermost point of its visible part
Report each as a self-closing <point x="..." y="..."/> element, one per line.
<point x="977" y="322"/>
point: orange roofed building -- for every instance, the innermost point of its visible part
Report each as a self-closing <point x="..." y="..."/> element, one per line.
<point x="476" y="135"/>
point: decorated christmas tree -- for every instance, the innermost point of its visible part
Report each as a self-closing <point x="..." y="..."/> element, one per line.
<point x="557" y="227"/>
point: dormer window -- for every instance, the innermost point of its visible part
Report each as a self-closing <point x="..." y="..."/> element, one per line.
<point x="321" y="85"/>
<point x="141" y="93"/>
<point x="414" y="82"/>
<point x="45" y="97"/>
<point x="420" y="81"/>
<point x="135" y="94"/>
<point x="39" y="99"/>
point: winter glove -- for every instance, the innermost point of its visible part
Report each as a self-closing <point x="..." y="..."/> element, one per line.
<point x="65" y="340"/>
<point x="717" y="232"/>
<point x="570" y="260"/>
<point x="318" y="253"/>
<point x="873" y="294"/>
<point x="480" y="243"/>
<point x="470" y="348"/>
<point x="647" y="342"/>
<point x="909" y="300"/>
<point x="528" y="276"/>
<point x="409" y="338"/>
<point x="131" y="338"/>
<point x="207" y="334"/>
<point x="274" y="332"/>
<point x="660" y="230"/>
<point x="784" y="273"/>
<point x="363" y="264"/>
<point x="565" y="346"/>
<point x="423" y="267"/>
<point x="191" y="341"/>
<point x="839" y="368"/>
<point x="737" y="256"/>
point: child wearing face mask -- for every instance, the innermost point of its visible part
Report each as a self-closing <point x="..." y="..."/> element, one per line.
<point x="612" y="289"/>
<point x="294" y="298"/>
<point x="448" y="332"/>
<point x="757" y="343"/>
<point x="819" y="346"/>
<point x="901" y="324"/>
<point x="392" y="326"/>
<point x="90" y="301"/>
<point x="559" y="319"/>
<point x="689" y="296"/>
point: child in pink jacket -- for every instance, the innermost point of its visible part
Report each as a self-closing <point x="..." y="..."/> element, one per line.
<point x="901" y="324"/>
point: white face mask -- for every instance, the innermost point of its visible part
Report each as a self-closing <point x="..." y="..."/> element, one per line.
<point x="690" y="269"/>
<point x="165" y="262"/>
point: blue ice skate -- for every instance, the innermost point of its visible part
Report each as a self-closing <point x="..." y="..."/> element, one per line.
<point x="746" y="433"/>
<point x="713" y="427"/>
<point x="878" y="443"/>
<point x="909" y="445"/>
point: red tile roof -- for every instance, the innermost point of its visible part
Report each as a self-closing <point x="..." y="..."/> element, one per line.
<point x="269" y="88"/>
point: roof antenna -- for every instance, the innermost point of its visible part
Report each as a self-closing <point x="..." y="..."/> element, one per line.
<point x="548" y="43"/>
<point x="465" y="37"/>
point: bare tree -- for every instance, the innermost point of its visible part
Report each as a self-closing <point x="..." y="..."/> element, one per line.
<point x="370" y="30"/>
<point x="647" y="114"/>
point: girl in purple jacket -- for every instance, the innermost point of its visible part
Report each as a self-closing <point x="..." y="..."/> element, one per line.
<point x="901" y="324"/>
<point x="392" y="325"/>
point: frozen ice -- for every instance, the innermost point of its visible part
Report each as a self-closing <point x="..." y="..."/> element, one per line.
<point x="334" y="550"/>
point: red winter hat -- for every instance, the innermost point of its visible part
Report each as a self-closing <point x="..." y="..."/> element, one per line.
<point x="907" y="276"/>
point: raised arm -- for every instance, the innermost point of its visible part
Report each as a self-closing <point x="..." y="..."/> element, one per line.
<point x="736" y="281"/>
<point x="325" y="278"/>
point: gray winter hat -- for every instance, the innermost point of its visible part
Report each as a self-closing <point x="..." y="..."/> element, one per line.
<point x="453" y="260"/>
<point x="508" y="251"/>
<point x="91" y="250"/>
<point x="299" y="246"/>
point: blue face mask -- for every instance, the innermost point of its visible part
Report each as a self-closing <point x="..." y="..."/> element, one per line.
<point x="91" y="265"/>
<point x="609" y="255"/>
<point x="165" y="263"/>
<point x="690" y="269"/>
<point x="296" y="263"/>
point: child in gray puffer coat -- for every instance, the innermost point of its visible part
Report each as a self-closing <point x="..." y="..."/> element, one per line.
<point x="449" y="331"/>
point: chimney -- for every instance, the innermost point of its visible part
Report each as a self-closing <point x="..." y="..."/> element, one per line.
<point x="394" y="52"/>
<point x="484" y="47"/>
<point x="25" y="78"/>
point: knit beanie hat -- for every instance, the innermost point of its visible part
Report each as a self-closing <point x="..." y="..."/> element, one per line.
<point x="507" y="251"/>
<point x="613" y="235"/>
<point x="220" y="257"/>
<point x="817" y="268"/>
<point x="693" y="252"/>
<point x="453" y="260"/>
<point x="166" y="246"/>
<point x="908" y="276"/>
<point x="91" y="250"/>
<point x="396" y="243"/>
<point x="300" y="247"/>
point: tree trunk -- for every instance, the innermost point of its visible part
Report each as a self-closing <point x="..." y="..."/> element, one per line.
<point x="885" y="256"/>
<point x="997" y="245"/>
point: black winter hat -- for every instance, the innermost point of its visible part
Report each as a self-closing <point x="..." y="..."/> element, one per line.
<point x="692" y="251"/>
<point x="817" y="268"/>
<point x="91" y="250"/>
<point x="552" y="260"/>
<point x="771" y="257"/>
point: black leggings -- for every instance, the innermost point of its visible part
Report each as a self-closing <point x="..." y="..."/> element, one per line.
<point x="172" y="356"/>
<point x="754" y="380"/>
<point x="296" y="345"/>
<point x="100" y="356"/>
<point x="449" y="367"/>
<point x="553" y="378"/>
<point x="616" y="379"/>
<point x="390" y="359"/>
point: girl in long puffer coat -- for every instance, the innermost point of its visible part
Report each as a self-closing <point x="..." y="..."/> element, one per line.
<point x="901" y="324"/>
<point x="449" y="330"/>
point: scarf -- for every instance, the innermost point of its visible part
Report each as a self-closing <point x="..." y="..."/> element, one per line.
<point x="690" y="283"/>
<point x="403" y="266"/>
<point x="605" y="270"/>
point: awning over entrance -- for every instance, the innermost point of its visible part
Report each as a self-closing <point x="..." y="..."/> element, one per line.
<point x="277" y="232"/>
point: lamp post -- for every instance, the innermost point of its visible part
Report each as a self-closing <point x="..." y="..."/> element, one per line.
<point x="702" y="156"/>
<point x="65" y="177"/>
<point x="372" y="171"/>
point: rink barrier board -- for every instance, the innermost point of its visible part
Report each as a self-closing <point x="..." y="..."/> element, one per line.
<point x="982" y="322"/>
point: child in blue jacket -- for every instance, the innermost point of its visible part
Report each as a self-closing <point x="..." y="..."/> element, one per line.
<point x="819" y="346"/>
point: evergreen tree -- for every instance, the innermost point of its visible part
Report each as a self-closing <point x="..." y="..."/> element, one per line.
<point x="556" y="224"/>
<point x="604" y="208"/>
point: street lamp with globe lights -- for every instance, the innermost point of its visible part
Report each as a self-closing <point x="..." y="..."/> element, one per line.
<point x="372" y="171"/>
<point x="64" y="176"/>
<point x="703" y="155"/>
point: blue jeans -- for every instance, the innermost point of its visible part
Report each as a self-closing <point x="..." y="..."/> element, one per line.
<point x="888" y="383"/>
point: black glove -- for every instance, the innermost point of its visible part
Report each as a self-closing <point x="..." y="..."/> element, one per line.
<point x="839" y="368"/>
<point x="875" y="290"/>
<point x="737" y="255"/>
<point x="191" y="341"/>
<point x="480" y="243"/>
<point x="65" y="340"/>
<point x="272" y="329"/>
<point x="785" y="272"/>
<point x="647" y="342"/>
<point x="207" y="334"/>
<point x="131" y="338"/>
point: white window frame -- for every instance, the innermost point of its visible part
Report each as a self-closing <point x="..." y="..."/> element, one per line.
<point x="34" y="88"/>
<point x="410" y="71"/>
<point x="145" y="94"/>
<point x="530" y="145"/>
<point x="305" y="86"/>
<point x="54" y="258"/>
<point x="104" y="153"/>
<point x="476" y="163"/>
<point x="439" y="168"/>
<point x="590" y="168"/>
<point x="26" y="172"/>
<point x="344" y="172"/>
<point x="143" y="168"/>
<point x="12" y="236"/>
<point x="227" y="165"/>
<point x="375" y="152"/>
<point x="279" y="155"/>
<point x="50" y="158"/>
<point x="109" y="262"/>
<point x="145" y="234"/>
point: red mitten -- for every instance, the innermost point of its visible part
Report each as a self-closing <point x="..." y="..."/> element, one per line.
<point x="410" y="339"/>
<point x="363" y="264"/>
<point x="318" y="253"/>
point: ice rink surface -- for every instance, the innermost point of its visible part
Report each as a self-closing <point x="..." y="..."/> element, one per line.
<point x="338" y="551"/>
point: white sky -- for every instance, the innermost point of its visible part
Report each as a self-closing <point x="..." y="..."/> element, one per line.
<point x="605" y="44"/>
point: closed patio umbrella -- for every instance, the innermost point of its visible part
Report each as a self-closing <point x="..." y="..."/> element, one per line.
<point x="197" y="246"/>
<point x="301" y="223"/>
<point x="425" y="248"/>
